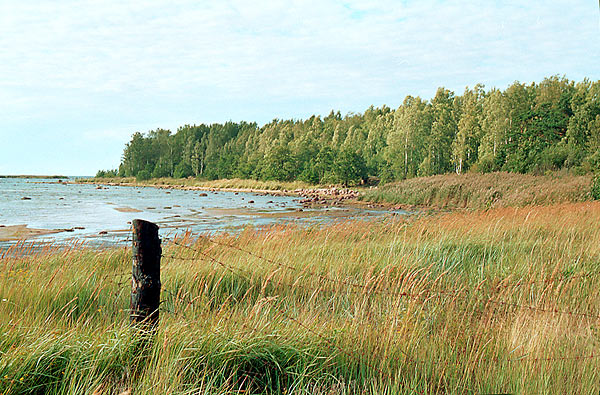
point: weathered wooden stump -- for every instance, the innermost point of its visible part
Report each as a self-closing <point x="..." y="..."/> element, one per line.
<point x="145" y="281"/>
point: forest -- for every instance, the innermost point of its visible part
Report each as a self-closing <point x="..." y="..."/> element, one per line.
<point x="527" y="128"/>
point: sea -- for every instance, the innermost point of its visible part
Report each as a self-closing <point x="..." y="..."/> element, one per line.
<point x="101" y="215"/>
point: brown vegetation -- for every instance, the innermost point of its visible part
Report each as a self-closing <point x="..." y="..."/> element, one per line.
<point x="485" y="191"/>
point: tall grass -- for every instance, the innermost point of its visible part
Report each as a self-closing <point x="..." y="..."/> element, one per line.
<point x="483" y="191"/>
<point x="474" y="302"/>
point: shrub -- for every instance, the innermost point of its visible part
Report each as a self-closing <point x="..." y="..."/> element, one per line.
<point x="553" y="157"/>
<point x="143" y="175"/>
<point x="484" y="165"/>
<point x="183" y="170"/>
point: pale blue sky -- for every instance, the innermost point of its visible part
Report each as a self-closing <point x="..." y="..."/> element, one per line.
<point x="78" y="77"/>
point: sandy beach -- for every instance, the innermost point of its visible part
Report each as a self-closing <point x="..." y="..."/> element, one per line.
<point x="18" y="232"/>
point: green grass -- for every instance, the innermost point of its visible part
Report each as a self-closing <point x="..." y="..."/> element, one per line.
<point x="426" y="305"/>
<point x="483" y="191"/>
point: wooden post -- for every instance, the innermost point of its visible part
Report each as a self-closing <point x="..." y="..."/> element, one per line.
<point x="145" y="282"/>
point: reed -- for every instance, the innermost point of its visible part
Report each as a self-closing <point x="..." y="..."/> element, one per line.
<point x="484" y="191"/>
<point x="496" y="301"/>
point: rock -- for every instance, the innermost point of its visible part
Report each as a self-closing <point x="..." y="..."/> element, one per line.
<point x="250" y="201"/>
<point x="25" y="198"/>
<point x="205" y="194"/>
<point x="167" y="207"/>
<point x="78" y="227"/>
<point x="99" y="187"/>
<point x="270" y="202"/>
<point x="103" y="232"/>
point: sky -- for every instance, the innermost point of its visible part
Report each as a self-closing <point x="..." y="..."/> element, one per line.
<point x="79" y="77"/>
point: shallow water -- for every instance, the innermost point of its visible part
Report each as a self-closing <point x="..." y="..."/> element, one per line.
<point x="54" y="205"/>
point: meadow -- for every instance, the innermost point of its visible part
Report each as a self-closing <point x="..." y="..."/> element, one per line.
<point x="484" y="191"/>
<point x="496" y="301"/>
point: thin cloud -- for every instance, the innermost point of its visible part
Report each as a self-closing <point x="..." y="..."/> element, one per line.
<point x="103" y="65"/>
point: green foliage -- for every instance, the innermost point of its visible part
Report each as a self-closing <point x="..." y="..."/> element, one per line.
<point x="182" y="170"/>
<point x="553" y="157"/>
<point x="106" y="173"/>
<point x="349" y="168"/>
<point x="279" y="164"/>
<point x="143" y="175"/>
<point x="485" y="164"/>
<point x="525" y="129"/>
<point x="592" y="161"/>
<point x="596" y="187"/>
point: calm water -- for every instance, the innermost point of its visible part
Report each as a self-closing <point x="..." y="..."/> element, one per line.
<point x="53" y="205"/>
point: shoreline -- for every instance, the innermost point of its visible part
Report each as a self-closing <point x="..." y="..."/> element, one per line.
<point x="310" y="197"/>
<point x="311" y="201"/>
<point x="22" y="232"/>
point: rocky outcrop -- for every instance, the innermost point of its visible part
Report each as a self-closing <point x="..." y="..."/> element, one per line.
<point x="325" y="196"/>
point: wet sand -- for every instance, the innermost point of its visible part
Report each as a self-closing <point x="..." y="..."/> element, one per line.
<point x="127" y="209"/>
<point x="325" y="202"/>
<point x="18" y="232"/>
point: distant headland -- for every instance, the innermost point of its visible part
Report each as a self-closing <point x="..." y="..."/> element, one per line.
<point x="32" y="176"/>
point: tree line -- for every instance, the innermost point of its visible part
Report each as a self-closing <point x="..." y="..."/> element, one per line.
<point x="527" y="128"/>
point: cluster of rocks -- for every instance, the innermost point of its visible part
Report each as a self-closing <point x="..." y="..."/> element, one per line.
<point x="73" y="229"/>
<point x="331" y="196"/>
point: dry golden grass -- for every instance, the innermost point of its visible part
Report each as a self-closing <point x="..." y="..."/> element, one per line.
<point x="474" y="190"/>
<point x="224" y="184"/>
<point x="467" y="302"/>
